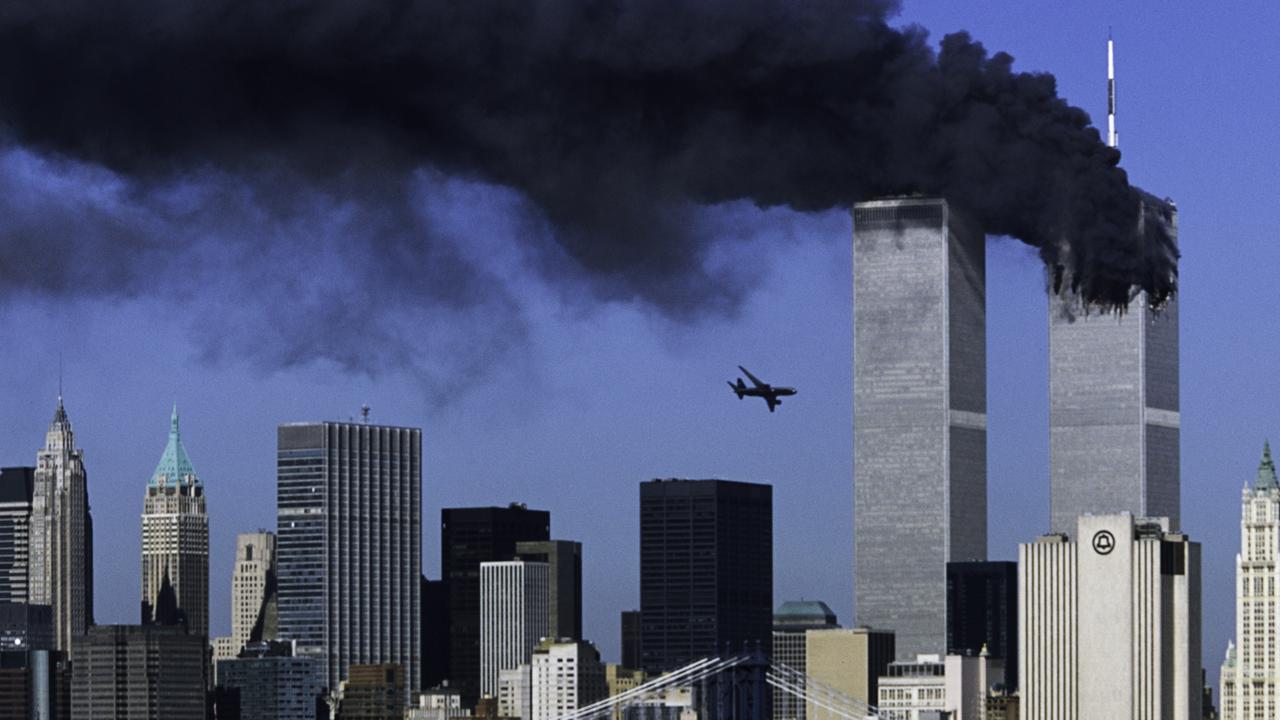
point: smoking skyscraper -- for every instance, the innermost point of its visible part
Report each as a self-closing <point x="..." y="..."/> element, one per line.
<point x="920" y="404"/>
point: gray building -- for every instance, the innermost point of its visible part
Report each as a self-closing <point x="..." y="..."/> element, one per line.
<point x="791" y="622"/>
<point x="16" y="485"/>
<point x="349" y="545"/>
<point x="564" y="560"/>
<point x="920" y="403"/>
<point x="138" y="672"/>
<point x="1113" y="405"/>
<point x="272" y="685"/>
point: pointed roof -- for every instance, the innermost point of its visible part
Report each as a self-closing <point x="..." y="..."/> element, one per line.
<point x="1266" y="471"/>
<point x="174" y="467"/>
<point x="60" y="415"/>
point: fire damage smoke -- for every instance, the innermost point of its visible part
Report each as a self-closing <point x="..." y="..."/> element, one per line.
<point x="614" y="121"/>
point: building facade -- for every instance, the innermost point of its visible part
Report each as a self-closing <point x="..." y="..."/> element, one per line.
<point x="175" y="536"/>
<point x="255" y="568"/>
<point x="790" y="622"/>
<point x="848" y="661"/>
<point x="1114" y="423"/>
<point x="1109" y="626"/>
<point x="468" y="537"/>
<point x="982" y="613"/>
<point x="138" y="672"/>
<point x="61" y="553"/>
<point x="349" y="545"/>
<point x="16" y="485"/>
<point x="373" y="692"/>
<point x="564" y="561"/>
<point x="515" y="692"/>
<point x="1250" y="678"/>
<point x="920" y="413"/>
<point x="270" y="684"/>
<point x="913" y="689"/>
<point x="629" y="625"/>
<point x="566" y="675"/>
<point x="706" y="570"/>
<point x="514" y="608"/>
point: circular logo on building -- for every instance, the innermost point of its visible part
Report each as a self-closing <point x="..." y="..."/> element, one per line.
<point x="1104" y="542"/>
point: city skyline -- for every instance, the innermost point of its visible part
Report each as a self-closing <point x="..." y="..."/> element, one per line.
<point x="593" y="423"/>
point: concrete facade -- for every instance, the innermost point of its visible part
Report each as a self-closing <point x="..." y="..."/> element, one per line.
<point x="850" y="661"/>
<point x="255" y="559"/>
<point x="514" y="601"/>
<point x="564" y="560"/>
<point x="567" y="675"/>
<point x="1109" y="627"/>
<point x="913" y="689"/>
<point x="1250" y="676"/>
<point x="138" y="672"/>
<point x="1114" y="422"/>
<point x="61" y="573"/>
<point x="791" y="622"/>
<point x="920" y="404"/>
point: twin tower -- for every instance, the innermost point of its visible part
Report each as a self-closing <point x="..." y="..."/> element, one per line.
<point x="920" y="410"/>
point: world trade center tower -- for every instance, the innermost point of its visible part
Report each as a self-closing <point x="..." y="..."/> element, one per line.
<point x="920" y="404"/>
<point x="1114" y="425"/>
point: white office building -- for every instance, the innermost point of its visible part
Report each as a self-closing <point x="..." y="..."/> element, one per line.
<point x="1109" y="626"/>
<point x="567" y="675"/>
<point x="1250" y="677"/>
<point x="514" y="600"/>
<point x="913" y="689"/>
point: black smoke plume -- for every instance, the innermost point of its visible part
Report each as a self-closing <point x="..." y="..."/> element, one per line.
<point x="615" y="121"/>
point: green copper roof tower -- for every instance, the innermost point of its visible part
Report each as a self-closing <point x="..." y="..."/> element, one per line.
<point x="174" y="467"/>
<point x="1266" y="471"/>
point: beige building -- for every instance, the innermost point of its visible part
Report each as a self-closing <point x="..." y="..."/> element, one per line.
<point x="175" y="535"/>
<point x="849" y="661"/>
<point x="255" y="560"/>
<point x="61" y="553"/>
<point x="567" y="675"/>
<point x="1109" y="626"/>
<point x="1251" y="673"/>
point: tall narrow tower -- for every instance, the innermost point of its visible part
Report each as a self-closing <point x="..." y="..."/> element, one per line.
<point x="175" y="536"/>
<point x="920" y="413"/>
<point x="1251" y="672"/>
<point x="1114" y="425"/>
<point x="61" y="549"/>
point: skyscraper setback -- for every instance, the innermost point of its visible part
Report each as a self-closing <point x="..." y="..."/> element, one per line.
<point x="61" y="535"/>
<point x="349" y="521"/>
<point x="468" y="537"/>
<point x="706" y="570"/>
<point x="175" y="536"/>
<point x="920" y="404"/>
<point x="1114" y="423"/>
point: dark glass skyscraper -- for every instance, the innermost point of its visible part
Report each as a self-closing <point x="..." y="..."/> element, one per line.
<point x="349" y="544"/>
<point x="631" y="657"/>
<point x="15" y="532"/>
<point x="564" y="561"/>
<point x="468" y="537"/>
<point x="982" y="612"/>
<point x="706" y="569"/>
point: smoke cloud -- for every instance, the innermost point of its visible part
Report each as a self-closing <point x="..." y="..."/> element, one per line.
<point x="302" y="130"/>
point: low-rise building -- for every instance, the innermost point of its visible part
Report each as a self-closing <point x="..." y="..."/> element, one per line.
<point x="910" y="690"/>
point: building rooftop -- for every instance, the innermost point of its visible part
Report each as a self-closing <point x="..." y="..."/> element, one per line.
<point x="804" y="613"/>
<point x="174" y="468"/>
<point x="1266" y="471"/>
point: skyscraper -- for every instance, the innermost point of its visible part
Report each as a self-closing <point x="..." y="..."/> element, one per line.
<point x="255" y="568"/>
<point x="791" y="622"/>
<point x="564" y="561"/>
<point x="1250" y="677"/>
<point x="1114" y="424"/>
<point x="138" y="672"/>
<point x="175" y="536"/>
<point x="16" y="485"/>
<point x="706" y="570"/>
<point x="920" y="413"/>
<point x="514" y="610"/>
<point x="1109" y="624"/>
<point x="349" y="522"/>
<point x="982" y="612"/>
<point x="61" y="541"/>
<point x="468" y="537"/>
<point x="630" y="629"/>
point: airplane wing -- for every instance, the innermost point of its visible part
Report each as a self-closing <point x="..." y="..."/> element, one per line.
<point x="754" y="379"/>
<point x="771" y="399"/>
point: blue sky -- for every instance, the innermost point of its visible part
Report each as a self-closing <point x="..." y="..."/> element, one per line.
<point x="568" y="403"/>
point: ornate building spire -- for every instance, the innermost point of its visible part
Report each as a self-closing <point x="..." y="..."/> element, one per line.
<point x="1266" y="471"/>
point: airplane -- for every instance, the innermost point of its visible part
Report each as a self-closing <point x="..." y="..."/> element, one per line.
<point x="772" y="395"/>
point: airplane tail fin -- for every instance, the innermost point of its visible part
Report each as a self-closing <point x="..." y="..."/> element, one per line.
<point x="739" y="388"/>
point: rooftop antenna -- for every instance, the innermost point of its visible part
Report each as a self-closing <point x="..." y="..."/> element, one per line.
<point x="1113" y="140"/>
<point x="364" y="414"/>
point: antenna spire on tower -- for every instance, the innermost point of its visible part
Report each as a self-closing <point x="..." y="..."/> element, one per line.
<point x="1113" y="139"/>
